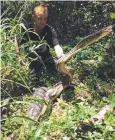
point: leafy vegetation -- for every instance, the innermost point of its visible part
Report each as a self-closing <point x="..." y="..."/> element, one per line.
<point x="71" y="115"/>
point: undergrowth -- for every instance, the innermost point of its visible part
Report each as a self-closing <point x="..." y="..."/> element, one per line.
<point x="71" y="114"/>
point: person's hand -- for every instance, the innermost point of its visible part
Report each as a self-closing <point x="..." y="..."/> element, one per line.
<point x="60" y="59"/>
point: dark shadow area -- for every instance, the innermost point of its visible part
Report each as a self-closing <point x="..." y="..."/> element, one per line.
<point x="84" y="128"/>
<point x="68" y="94"/>
<point x="70" y="19"/>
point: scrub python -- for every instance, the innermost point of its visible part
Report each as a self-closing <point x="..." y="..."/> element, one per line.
<point x="48" y="95"/>
<point x="61" y="66"/>
<point x="37" y="109"/>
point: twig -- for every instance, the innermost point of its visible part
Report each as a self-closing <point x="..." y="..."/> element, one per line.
<point x="20" y="61"/>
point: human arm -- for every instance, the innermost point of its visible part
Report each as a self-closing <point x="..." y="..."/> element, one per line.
<point x="55" y="43"/>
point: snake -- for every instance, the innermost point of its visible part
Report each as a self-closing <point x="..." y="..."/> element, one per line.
<point x="37" y="109"/>
<point x="88" y="40"/>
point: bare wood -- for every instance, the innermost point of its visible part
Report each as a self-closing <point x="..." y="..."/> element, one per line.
<point x="100" y="115"/>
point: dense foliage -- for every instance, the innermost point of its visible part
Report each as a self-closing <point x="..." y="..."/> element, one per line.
<point x="94" y="74"/>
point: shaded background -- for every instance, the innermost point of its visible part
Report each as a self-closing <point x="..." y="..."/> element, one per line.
<point x="71" y="18"/>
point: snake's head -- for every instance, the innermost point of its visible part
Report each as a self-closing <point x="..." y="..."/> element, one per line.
<point x="108" y="30"/>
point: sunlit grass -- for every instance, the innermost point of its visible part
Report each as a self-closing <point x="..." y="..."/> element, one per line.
<point x="71" y="114"/>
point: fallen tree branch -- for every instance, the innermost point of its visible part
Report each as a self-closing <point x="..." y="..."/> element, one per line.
<point x="100" y="115"/>
<point x="96" y="119"/>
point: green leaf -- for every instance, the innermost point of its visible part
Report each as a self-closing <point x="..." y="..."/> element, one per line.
<point x="98" y="3"/>
<point x="24" y="117"/>
<point x="105" y="99"/>
<point x="113" y="104"/>
<point x="112" y="15"/>
<point x="100" y="58"/>
<point x="38" y="132"/>
<point x="5" y="102"/>
<point x="109" y="118"/>
<point x="66" y="138"/>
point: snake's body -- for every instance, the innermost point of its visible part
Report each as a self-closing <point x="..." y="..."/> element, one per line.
<point x="83" y="43"/>
<point x="37" y="109"/>
<point x="48" y="95"/>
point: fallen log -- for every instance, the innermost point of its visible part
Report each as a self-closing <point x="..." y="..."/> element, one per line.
<point x="97" y="118"/>
<point x="100" y="115"/>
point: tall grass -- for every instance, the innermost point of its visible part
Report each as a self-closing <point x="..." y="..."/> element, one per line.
<point x="69" y="118"/>
<point x="12" y="23"/>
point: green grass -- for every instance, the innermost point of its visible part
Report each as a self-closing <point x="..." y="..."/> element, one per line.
<point x="72" y="113"/>
<point x="70" y="117"/>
